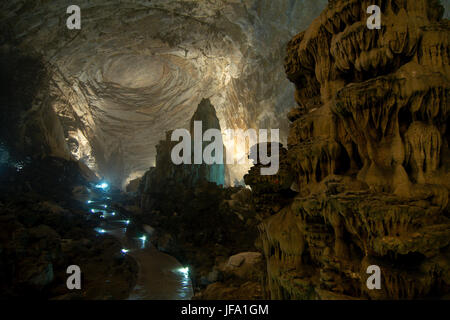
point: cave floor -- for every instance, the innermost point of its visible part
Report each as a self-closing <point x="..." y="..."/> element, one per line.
<point x="160" y="276"/>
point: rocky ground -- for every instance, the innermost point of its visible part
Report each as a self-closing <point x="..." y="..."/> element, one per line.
<point x="203" y="227"/>
<point x="45" y="229"/>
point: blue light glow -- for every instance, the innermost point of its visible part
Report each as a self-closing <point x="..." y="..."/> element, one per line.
<point x="125" y="250"/>
<point x="96" y="210"/>
<point x="102" y="185"/>
<point x="100" y="230"/>
<point x="143" y="239"/>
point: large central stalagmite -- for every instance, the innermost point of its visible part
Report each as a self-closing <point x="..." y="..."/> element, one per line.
<point x="368" y="147"/>
<point x="187" y="175"/>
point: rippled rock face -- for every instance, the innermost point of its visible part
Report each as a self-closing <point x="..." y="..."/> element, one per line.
<point x="368" y="147"/>
<point x="137" y="69"/>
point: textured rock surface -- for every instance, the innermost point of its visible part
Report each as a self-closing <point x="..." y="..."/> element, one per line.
<point x="369" y="151"/>
<point x="139" y="68"/>
<point x="29" y="127"/>
<point x="241" y="279"/>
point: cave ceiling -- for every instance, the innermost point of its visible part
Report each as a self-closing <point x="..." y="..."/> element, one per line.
<point x="137" y="69"/>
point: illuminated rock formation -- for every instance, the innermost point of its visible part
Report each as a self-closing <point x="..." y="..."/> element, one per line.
<point x="369" y="151"/>
<point x="187" y="175"/>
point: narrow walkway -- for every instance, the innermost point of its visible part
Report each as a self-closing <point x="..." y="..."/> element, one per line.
<point x="160" y="276"/>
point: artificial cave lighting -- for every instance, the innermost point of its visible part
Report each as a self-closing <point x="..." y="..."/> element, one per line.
<point x="102" y="186"/>
<point x="100" y="230"/>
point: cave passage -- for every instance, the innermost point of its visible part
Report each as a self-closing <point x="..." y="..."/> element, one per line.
<point x="160" y="276"/>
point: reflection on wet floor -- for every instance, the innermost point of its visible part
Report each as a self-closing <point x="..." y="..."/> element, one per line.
<point x="161" y="277"/>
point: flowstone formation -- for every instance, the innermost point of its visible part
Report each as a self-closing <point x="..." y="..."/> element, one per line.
<point x="368" y="150"/>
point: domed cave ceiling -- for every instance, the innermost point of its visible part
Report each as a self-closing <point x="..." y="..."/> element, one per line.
<point x="137" y="69"/>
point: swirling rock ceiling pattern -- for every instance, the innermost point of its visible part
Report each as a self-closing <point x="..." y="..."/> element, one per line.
<point x="139" y="68"/>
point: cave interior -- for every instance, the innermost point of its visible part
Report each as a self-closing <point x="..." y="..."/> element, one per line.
<point x="92" y="96"/>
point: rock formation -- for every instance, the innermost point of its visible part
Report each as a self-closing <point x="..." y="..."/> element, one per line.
<point x="187" y="175"/>
<point x="368" y="149"/>
<point x="29" y="127"/>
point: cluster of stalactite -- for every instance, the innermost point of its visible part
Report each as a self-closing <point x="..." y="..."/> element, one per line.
<point x="369" y="157"/>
